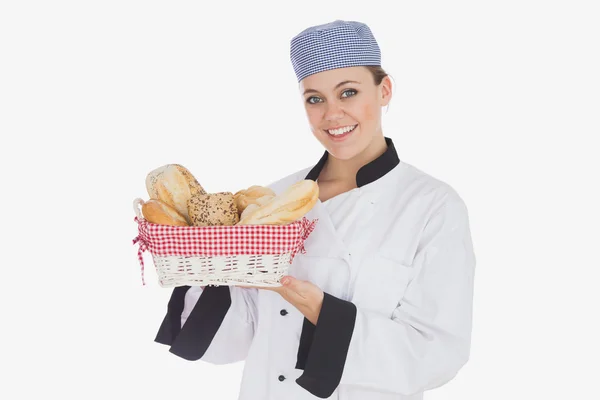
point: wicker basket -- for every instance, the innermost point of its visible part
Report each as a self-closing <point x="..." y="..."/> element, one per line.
<point x="253" y="255"/>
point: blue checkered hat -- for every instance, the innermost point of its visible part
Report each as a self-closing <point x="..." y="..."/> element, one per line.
<point x="333" y="45"/>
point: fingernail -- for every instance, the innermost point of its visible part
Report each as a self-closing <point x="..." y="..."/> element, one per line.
<point x="285" y="281"/>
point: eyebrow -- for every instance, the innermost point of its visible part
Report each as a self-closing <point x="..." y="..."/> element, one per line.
<point x="336" y="86"/>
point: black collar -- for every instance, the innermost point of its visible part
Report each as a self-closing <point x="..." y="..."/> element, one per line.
<point x="369" y="172"/>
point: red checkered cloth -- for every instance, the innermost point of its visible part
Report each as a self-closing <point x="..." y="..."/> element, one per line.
<point x="214" y="241"/>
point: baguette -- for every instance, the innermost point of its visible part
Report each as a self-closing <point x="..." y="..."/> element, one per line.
<point x="248" y="210"/>
<point x="158" y="212"/>
<point x="285" y="208"/>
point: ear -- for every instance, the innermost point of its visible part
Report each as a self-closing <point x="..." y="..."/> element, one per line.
<point x="385" y="91"/>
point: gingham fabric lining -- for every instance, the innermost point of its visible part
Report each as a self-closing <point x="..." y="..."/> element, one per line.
<point x="216" y="241"/>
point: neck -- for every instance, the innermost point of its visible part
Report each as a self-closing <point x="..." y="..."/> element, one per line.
<point x="346" y="170"/>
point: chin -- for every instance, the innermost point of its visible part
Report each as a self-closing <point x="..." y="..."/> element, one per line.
<point x="343" y="153"/>
<point x="347" y="149"/>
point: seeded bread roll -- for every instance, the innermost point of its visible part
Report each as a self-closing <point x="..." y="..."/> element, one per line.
<point x="157" y="212"/>
<point x="285" y="208"/>
<point x="212" y="209"/>
<point x="174" y="185"/>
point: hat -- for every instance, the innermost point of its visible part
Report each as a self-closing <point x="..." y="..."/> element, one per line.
<point x="333" y="45"/>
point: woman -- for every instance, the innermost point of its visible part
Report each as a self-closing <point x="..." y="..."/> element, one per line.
<point x="380" y="305"/>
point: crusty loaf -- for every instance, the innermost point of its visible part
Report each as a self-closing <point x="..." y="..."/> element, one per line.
<point x="212" y="209"/>
<point x="157" y="212"/>
<point x="174" y="185"/>
<point x="248" y="210"/>
<point x="263" y="200"/>
<point x="287" y="207"/>
<point x="253" y="195"/>
<point x="252" y="203"/>
<point x="255" y="191"/>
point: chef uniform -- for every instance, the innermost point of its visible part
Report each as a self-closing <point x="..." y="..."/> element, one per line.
<point x="395" y="260"/>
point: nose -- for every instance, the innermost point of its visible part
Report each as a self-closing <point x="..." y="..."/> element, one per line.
<point x="333" y="111"/>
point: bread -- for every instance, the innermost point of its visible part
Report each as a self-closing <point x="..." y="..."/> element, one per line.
<point x="255" y="204"/>
<point x="255" y="191"/>
<point x="157" y="212"/>
<point x="289" y="206"/>
<point x="253" y="195"/>
<point x="174" y="185"/>
<point x="212" y="209"/>
<point x="262" y="200"/>
<point x="248" y="210"/>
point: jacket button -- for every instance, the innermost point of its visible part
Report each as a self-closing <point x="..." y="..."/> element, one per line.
<point x="281" y="378"/>
<point x="283" y="312"/>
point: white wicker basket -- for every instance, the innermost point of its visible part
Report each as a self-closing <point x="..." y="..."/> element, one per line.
<point x="226" y="255"/>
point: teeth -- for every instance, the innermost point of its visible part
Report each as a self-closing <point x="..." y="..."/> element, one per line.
<point x="341" y="131"/>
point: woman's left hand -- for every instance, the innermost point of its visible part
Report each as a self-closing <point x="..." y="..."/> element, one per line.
<point x="304" y="295"/>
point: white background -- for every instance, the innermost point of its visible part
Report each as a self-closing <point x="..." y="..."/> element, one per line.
<point x="499" y="99"/>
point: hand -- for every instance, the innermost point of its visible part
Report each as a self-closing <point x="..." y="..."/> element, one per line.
<point x="304" y="295"/>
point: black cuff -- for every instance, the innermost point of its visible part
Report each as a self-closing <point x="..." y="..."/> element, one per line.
<point x="192" y="340"/>
<point x="328" y="347"/>
<point x="306" y="339"/>
<point x="171" y="325"/>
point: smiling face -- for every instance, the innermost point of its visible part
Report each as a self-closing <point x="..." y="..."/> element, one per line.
<point x="344" y="109"/>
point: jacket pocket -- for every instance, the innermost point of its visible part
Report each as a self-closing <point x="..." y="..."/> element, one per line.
<point x="380" y="283"/>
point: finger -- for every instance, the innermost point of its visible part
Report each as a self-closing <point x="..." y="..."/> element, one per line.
<point x="272" y="288"/>
<point x="300" y="287"/>
<point x="292" y="296"/>
<point x="248" y="286"/>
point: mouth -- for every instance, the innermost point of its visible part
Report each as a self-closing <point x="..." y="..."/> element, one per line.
<point x="342" y="132"/>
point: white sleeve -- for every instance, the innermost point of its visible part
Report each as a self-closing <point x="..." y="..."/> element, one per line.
<point x="215" y="325"/>
<point x="235" y="334"/>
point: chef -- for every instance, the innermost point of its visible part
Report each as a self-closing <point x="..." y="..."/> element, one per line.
<point x="380" y="305"/>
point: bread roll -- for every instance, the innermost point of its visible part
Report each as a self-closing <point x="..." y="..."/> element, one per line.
<point x="248" y="210"/>
<point x="255" y="191"/>
<point x="285" y="208"/>
<point x="245" y="197"/>
<point x="212" y="209"/>
<point x="174" y="185"/>
<point x="263" y="200"/>
<point x="157" y="212"/>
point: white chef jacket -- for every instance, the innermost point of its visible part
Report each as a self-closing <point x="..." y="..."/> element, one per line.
<point x="396" y="262"/>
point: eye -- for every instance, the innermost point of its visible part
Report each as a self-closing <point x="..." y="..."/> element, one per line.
<point x="313" y="100"/>
<point x="349" y="93"/>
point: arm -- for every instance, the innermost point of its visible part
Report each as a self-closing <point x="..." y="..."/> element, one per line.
<point x="425" y="342"/>
<point x="215" y="324"/>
